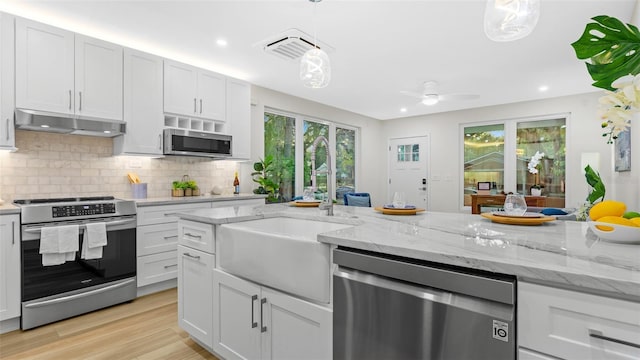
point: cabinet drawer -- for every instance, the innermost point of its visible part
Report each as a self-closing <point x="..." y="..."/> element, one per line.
<point x="574" y="325"/>
<point x="196" y="235"/>
<point x="153" y="239"/>
<point x="148" y="215"/>
<point x="157" y="267"/>
<point x="218" y="204"/>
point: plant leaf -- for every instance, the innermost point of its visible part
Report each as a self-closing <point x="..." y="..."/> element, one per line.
<point x="594" y="180"/>
<point x="613" y="49"/>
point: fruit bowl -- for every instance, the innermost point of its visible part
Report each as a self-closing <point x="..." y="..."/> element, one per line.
<point x="621" y="234"/>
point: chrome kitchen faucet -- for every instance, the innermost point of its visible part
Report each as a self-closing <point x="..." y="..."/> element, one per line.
<point x="328" y="205"/>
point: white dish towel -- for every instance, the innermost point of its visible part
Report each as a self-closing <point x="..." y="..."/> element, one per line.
<point x="95" y="237"/>
<point x="58" y="244"/>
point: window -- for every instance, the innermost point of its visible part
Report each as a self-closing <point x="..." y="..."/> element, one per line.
<point x="408" y="153"/>
<point x="289" y="138"/>
<point x="499" y="153"/>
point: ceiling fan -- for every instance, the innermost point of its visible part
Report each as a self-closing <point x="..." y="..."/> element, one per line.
<point x="429" y="96"/>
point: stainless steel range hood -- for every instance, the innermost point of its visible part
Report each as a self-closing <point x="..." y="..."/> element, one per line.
<point x="67" y="124"/>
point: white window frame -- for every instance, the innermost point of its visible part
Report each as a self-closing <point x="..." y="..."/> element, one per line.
<point x="510" y="147"/>
<point x="299" y="147"/>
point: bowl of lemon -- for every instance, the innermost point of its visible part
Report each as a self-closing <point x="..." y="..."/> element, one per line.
<point x="611" y="221"/>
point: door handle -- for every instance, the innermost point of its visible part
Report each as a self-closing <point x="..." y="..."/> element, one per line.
<point x="191" y="256"/>
<point x="80" y="106"/>
<point x="262" y="302"/>
<point x="160" y="142"/>
<point x="7" y="129"/>
<point x="424" y="188"/>
<point x="70" y="99"/>
<point x="200" y="106"/>
<point x="169" y="266"/>
<point x="598" y="335"/>
<point x="13" y="233"/>
<point x="254" y="324"/>
<point x="193" y="236"/>
<point x="194" y="106"/>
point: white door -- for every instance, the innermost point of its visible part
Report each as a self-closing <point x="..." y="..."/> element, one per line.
<point x="180" y="88"/>
<point x="44" y="67"/>
<point x="195" y="276"/>
<point x="296" y="329"/>
<point x="98" y="78"/>
<point x="212" y="94"/>
<point x="408" y="169"/>
<point x="143" y="103"/>
<point x="236" y="316"/>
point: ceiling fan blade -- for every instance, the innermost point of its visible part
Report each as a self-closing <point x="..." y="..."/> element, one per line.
<point x="459" y="96"/>
<point x="412" y="93"/>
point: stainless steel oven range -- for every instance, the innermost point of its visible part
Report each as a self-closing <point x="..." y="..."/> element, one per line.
<point x="81" y="283"/>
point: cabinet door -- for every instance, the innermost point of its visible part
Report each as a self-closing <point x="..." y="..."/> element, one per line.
<point x="98" y="78"/>
<point x="142" y="104"/>
<point x="44" y="67"/>
<point x="212" y="95"/>
<point x="7" y="134"/>
<point x="236" y="317"/>
<point x="9" y="266"/>
<point x="296" y="329"/>
<point x="180" y="88"/>
<point x="239" y="117"/>
<point x="195" y="293"/>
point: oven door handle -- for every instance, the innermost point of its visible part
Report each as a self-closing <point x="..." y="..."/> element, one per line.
<point x="82" y="227"/>
<point x="80" y="295"/>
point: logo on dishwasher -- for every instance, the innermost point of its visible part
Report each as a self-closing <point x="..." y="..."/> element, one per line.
<point x="501" y="330"/>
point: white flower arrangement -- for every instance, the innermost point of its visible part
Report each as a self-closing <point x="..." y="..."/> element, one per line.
<point x="534" y="166"/>
<point x="617" y="107"/>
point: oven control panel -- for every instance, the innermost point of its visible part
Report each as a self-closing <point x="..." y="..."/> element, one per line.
<point x="82" y="210"/>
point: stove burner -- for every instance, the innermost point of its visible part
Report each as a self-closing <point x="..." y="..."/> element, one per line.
<point x="62" y="200"/>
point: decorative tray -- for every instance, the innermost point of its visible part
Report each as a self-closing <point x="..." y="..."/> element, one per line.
<point x="302" y="203"/>
<point x="405" y="211"/>
<point x="620" y="234"/>
<point x="519" y="220"/>
<point x="525" y="215"/>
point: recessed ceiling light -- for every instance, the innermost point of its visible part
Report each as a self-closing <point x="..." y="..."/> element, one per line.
<point x="403" y="109"/>
<point x="543" y="88"/>
<point x="221" y="42"/>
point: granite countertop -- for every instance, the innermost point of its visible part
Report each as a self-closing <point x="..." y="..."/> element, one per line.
<point x="560" y="253"/>
<point x="169" y="200"/>
<point x="8" y="208"/>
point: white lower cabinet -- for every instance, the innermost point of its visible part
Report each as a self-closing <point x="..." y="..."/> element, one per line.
<point x="9" y="266"/>
<point x="255" y="322"/>
<point x="573" y="325"/>
<point x="195" y="293"/>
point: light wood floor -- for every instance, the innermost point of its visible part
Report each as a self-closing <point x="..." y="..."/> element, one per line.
<point x="144" y="329"/>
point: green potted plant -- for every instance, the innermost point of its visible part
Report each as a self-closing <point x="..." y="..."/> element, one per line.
<point x="263" y="174"/>
<point x="177" y="188"/>
<point x="191" y="188"/>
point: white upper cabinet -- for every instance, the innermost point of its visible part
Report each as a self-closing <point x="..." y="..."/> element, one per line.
<point x="193" y="92"/>
<point x="47" y="78"/>
<point x="98" y="78"/>
<point x="142" y="105"/>
<point x="7" y="132"/>
<point x="239" y="117"/>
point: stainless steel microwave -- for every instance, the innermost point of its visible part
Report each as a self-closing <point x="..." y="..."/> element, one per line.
<point x="196" y="143"/>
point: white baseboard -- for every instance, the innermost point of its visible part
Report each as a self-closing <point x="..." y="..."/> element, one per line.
<point x="161" y="286"/>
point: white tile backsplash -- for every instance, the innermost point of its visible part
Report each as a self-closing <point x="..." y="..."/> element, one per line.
<point x="55" y="165"/>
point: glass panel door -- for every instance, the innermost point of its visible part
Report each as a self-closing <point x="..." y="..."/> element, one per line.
<point x="280" y="142"/>
<point x="483" y="158"/>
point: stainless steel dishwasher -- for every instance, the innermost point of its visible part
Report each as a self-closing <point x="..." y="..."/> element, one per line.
<point x="387" y="307"/>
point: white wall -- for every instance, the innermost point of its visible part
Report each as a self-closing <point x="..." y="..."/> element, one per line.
<point x="584" y="135"/>
<point x="370" y="169"/>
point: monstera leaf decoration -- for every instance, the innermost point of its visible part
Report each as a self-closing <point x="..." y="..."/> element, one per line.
<point x="613" y="49"/>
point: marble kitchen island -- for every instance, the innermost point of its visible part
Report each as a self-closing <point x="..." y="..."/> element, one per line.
<point x="562" y="256"/>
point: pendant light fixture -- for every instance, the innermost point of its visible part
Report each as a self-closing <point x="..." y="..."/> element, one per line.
<point x="508" y="20"/>
<point x="315" y="68"/>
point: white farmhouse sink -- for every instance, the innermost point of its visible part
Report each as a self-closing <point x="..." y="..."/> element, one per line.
<point x="281" y="253"/>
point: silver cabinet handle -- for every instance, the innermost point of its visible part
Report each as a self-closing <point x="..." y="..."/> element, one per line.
<point x="80" y="107"/>
<point x="598" y="335"/>
<point x="195" y="107"/>
<point x="70" y="99"/>
<point x="194" y="236"/>
<point x="170" y="237"/>
<point x="262" y="302"/>
<point x="200" y="106"/>
<point x="160" y="142"/>
<point x="168" y="266"/>
<point x="13" y="232"/>
<point x="197" y="257"/>
<point x="7" y="129"/>
<point x="254" y="324"/>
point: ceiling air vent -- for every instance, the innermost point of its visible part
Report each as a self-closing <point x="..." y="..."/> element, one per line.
<point x="291" y="44"/>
